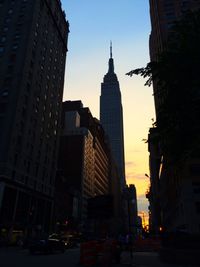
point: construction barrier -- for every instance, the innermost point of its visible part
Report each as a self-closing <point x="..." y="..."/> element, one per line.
<point x="148" y="244"/>
<point x="101" y="253"/>
<point x="105" y="259"/>
<point x="107" y="252"/>
<point x="88" y="253"/>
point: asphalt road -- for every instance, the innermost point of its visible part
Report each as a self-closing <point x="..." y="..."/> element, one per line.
<point x="14" y="257"/>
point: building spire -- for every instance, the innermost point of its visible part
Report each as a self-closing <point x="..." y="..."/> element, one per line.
<point x="111" y="62"/>
<point x="110" y="49"/>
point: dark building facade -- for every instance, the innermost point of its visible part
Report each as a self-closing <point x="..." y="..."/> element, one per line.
<point x="153" y="192"/>
<point x="33" y="47"/>
<point x="172" y="186"/>
<point x="163" y="15"/>
<point x="84" y="160"/>
<point x="111" y="117"/>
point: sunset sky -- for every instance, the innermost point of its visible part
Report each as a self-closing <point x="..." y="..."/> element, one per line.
<point x="93" y="23"/>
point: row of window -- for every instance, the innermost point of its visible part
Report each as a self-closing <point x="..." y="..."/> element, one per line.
<point x="8" y="76"/>
<point x="48" y="155"/>
<point x="37" y="185"/>
<point x="55" y="12"/>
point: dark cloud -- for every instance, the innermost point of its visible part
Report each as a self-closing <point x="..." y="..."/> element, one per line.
<point x="135" y="176"/>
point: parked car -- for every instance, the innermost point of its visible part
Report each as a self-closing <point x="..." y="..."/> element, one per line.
<point x="70" y="241"/>
<point x="47" y="246"/>
<point x="16" y="238"/>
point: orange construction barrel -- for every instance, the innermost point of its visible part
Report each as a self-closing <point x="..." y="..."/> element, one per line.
<point x="88" y="253"/>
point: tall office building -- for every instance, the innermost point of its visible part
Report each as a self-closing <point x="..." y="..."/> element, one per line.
<point x="174" y="201"/>
<point x="84" y="161"/>
<point x="111" y="116"/>
<point x="33" y="48"/>
<point x="163" y="15"/>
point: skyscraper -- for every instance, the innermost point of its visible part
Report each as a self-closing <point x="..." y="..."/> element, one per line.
<point x="172" y="194"/>
<point x="84" y="161"/>
<point x="163" y="15"/>
<point x="33" y="48"/>
<point x="111" y="116"/>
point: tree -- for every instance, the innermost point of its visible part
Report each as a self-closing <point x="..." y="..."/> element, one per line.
<point x="177" y="76"/>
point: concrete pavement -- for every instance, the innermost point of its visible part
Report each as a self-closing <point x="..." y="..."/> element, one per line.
<point x="146" y="259"/>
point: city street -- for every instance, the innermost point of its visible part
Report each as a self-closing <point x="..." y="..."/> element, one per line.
<point x="10" y="257"/>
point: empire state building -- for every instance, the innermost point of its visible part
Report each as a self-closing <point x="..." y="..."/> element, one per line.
<point x="111" y="116"/>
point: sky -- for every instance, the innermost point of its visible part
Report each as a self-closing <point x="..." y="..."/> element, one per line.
<point x="93" y="24"/>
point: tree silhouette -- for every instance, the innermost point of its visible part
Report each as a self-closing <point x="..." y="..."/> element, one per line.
<point x="177" y="78"/>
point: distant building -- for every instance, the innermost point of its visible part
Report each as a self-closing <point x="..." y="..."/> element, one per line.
<point x="139" y="226"/>
<point x="111" y="117"/>
<point x="175" y="187"/>
<point x="33" y="49"/>
<point x="131" y="197"/>
<point x="117" y="222"/>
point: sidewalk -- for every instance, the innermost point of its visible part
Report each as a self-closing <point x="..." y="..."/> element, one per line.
<point x="140" y="259"/>
<point x="146" y="259"/>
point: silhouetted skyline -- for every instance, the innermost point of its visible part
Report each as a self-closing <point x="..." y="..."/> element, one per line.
<point x="127" y="24"/>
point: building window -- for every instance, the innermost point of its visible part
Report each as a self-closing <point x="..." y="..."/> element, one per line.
<point x="10" y="11"/>
<point x="196" y="187"/>
<point x="13" y="57"/>
<point x="194" y="169"/>
<point x="15" y="46"/>
<point x="33" y="53"/>
<point x="7" y="80"/>
<point x="13" y="175"/>
<point x="19" y="140"/>
<point x="7" y="20"/>
<point x="196" y="190"/>
<point x="4" y="93"/>
<point x="3" y="39"/>
<point x="10" y="69"/>
<point x="17" y="36"/>
<point x="3" y="107"/>
<point x="28" y="86"/>
<point x="197" y="204"/>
